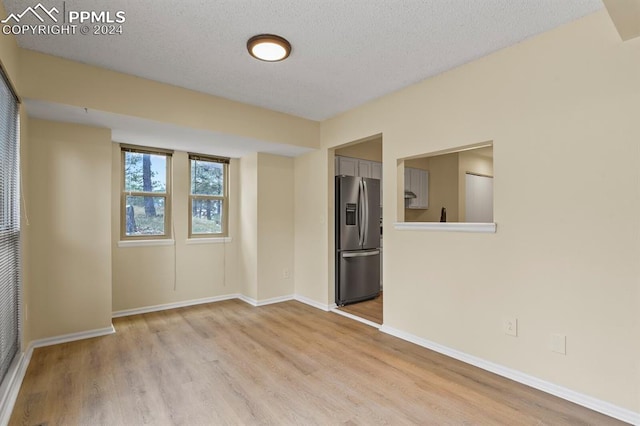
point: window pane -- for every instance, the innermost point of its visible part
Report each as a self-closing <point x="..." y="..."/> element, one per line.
<point x="144" y="216"/>
<point x="207" y="178"/>
<point x="145" y="172"/>
<point x="206" y="216"/>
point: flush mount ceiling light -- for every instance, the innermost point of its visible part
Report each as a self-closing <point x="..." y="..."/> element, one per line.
<point x="268" y="47"/>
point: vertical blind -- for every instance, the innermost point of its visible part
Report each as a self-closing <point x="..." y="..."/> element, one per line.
<point x="9" y="227"/>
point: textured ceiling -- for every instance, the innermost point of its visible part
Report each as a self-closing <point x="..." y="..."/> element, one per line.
<point x="345" y="53"/>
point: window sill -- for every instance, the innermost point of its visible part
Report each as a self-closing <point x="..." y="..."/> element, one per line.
<point x="213" y="240"/>
<point x="145" y="243"/>
<point x="487" y="228"/>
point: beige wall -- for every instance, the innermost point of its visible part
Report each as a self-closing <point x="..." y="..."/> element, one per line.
<point x="69" y="225"/>
<point x="66" y="82"/>
<point x="248" y="249"/>
<point x="625" y="15"/>
<point x="548" y="104"/>
<point x="275" y="226"/>
<point x="266" y="223"/>
<point x="443" y="188"/>
<point x="312" y="206"/>
<point x="155" y="275"/>
<point x="369" y="150"/>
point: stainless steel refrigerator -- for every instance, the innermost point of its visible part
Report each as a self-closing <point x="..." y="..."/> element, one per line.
<point x="357" y="239"/>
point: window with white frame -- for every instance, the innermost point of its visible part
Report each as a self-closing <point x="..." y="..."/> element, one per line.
<point x="208" y="196"/>
<point x="146" y="193"/>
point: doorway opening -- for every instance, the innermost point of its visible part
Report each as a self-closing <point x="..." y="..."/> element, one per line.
<point x="358" y="243"/>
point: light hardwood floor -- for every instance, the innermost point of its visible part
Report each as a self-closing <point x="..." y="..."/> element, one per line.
<point x="369" y="309"/>
<point x="288" y="363"/>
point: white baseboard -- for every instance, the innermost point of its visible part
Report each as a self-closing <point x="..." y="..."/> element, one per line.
<point x="246" y="299"/>
<point x="250" y="300"/>
<point x="71" y="337"/>
<point x="253" y="302"/>
<point x="354" y="317"/>
<point x="155" y="308"/>
<point x="13" y="381"/>
<point x="311" y="302"/>
<point x="551" y="388"/>
<point x="275" y="300"/>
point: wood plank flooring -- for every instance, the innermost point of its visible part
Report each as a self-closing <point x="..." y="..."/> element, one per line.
<point x="288" y="363"/>
<point x="369" y="309"/>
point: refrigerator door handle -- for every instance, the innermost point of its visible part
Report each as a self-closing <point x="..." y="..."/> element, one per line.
<point x="358" y="214"/>
<point x="361" y="213"/>
<point x="362" y="253"/>
<point x="366" y="212"/>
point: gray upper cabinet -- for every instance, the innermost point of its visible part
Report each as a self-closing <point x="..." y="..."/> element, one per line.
<point x="364" y="168"/>
<point x="356" y="167"/>
<point x="417" y="181"/>
<point x="376" y="170"/>
<point x="347" y="166"/>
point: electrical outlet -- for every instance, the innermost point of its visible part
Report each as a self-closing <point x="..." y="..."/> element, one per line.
<point x="286" y="273"/>
<point x="559" y="343"/>
<point x="510" y="326"/>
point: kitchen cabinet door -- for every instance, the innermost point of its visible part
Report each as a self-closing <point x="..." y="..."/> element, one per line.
<point x="364" y="168"/>
<point x="376" y="173"/>
<point x="376" y="170"/>
<point x="409" y="187"/>
<point x="420" y="184"/>
<point x="417" y="181"/>
<point x="347" y="166"/>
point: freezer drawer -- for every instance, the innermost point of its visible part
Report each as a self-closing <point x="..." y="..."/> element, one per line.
<point x="358" y="276"/>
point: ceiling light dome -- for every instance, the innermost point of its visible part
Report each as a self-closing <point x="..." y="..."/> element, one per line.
<point x="269" y="47"/>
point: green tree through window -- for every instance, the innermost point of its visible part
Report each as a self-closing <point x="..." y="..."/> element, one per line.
<point x="208" y="196"/>
<point x="145" y="194"/>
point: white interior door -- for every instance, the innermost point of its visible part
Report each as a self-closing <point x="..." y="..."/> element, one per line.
<point x="478" y="199"/>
